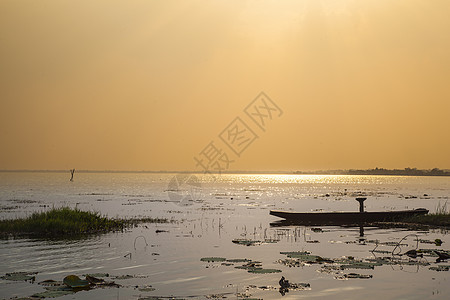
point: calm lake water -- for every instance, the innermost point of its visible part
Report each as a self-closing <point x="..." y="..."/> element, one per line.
<point x="208" y="215"/>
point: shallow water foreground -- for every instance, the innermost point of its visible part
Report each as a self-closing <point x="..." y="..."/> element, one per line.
<point x="222" y="245"/>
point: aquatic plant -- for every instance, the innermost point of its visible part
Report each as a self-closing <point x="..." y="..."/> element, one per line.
<point x="263" y="271"/>
<point x="439" y="218"/>
<point x="19" y="276"/>
<point x="74" y="281"/>
<point x="69" y="285"/>
<point x="213" y="259"/>
<point x="67" y="221"/>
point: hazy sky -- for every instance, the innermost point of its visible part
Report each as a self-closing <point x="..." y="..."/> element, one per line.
<point x="148" y="85"/>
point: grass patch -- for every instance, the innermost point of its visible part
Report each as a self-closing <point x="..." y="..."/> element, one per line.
<point x="440" y="218"/>
<point x="67" y="221"/>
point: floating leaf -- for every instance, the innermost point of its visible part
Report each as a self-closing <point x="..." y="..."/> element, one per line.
<point x="238" y="260"/>
<point x="425" y="241"/>
<point x="250" y="265"/>
<point x="147" y="288"/>
<point x="271" y="241"/>
<point x="381" y="251"/>
<point x="213" y="259"/>
<point x="295" y="253"/>
<point x="94" y="280"/>
<point x="290" y="262"/>
<point x="263" y="271"/>
<point x="51" y="283"/>
<point x="19" y="276"/>
<point x="121" y="277"/>
<point x="358" y="266"/>
<point x="440" y="268"/>
<point x="432" y="252"/>
<point x="74" y="281"/>
<point x="360" y="276"/>
<point x="98" y="275"/>
<point x="54" y="292"/>
<point x="380" y="261"/>
<point x="246" y="242"/>
<point x="306" y="257"/>
<point x="299" y="286"/>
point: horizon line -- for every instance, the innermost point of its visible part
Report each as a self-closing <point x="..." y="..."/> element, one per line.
<point x="294" y="172"/>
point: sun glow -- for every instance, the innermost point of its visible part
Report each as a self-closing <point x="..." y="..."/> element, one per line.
<point x="146" y="85"/>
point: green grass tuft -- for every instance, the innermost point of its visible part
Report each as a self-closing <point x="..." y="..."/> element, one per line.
<point x="430" y="219"/>
<point x="66" y="221"/>
<point x="440" y="218"/>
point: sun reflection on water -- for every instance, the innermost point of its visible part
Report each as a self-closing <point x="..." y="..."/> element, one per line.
<point x="304" y="179"/>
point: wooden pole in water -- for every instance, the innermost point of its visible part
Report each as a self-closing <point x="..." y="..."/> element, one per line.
<point x="361" y="210"/>
<point x="361" y="203"/>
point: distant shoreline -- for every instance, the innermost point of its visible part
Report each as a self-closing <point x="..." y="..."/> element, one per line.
<point x="384" y="172"/>
<point x="376" y="171"/>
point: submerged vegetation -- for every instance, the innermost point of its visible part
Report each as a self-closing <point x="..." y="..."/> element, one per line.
<point x="67" y="221"/>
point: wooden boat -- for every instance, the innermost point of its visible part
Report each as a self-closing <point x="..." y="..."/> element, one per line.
<point x="323" y="218"/>
<point x="341" y="218"/>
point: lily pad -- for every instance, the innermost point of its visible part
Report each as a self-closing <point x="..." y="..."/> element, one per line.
<point x="358" y="266"/>
<point x="74" y="281"/>
<point x="213" y="259"/>
<point x="307" y="257"/>
<point x="440" y="268"/>
<point x="380" y="261"/>
<point x="381" y="251"/>
<point x="147" y="288"/>
<point x="352" y="276"/>
<point x="263" y="271"/>
<point x="19" y="276"/>
<point x="295" y="253"/>
<point x="438" y="242"/>
<point x="121" y="277"/>
<point x="238" y="260"/>
<point x="271" y="241"/>
<point x="360" y="276"/>
<point x="50" y="282"/>
<point x="290" y="262"/>
<point x="250" y="265"/>
<point x="246" y="242"/>
<point x="98" y="275"/>
<point x="94" y="280"/>
<point x="299" y="286"/>
<point x="54" y="292"/>
<point x="432" y="252"/>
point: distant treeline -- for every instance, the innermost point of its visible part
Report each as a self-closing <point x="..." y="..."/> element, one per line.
<point x="381" y="171"/>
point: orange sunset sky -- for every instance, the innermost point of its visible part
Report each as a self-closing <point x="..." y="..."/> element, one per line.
<point x="148" y="85"/>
